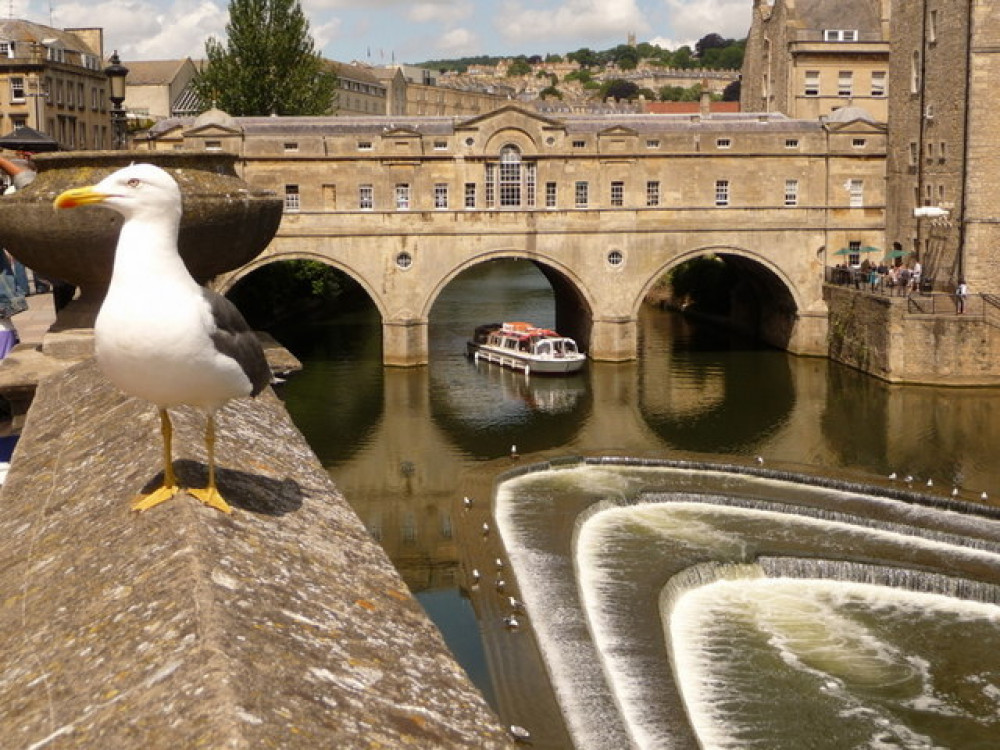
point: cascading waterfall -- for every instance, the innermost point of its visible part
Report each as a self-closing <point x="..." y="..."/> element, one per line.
<point x="686" y="588"/>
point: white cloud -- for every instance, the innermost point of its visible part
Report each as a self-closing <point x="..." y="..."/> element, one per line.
<point x="693" y="19"/>
<point x="458" y="42"/>
<point x="440" y="11"/>
<point x="579" y="20"/>
<point x="143" y="31"/>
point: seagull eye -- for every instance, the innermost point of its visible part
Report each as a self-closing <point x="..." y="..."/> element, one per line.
<point x="134" y="182"/>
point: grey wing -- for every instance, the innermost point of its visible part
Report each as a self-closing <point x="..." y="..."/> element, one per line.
<point x="234" y="338"/>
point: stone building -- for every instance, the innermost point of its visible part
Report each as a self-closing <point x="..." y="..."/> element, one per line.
<point x="943" y="154"/>
<point x="54" y="82"/>
<point x="359" y="91"/>
<point x="157" y="89"/>
<point x="807" y="58"/>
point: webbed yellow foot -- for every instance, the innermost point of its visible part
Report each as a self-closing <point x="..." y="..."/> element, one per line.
<point x="210" y="496"/>
<point x="154" y="498"/>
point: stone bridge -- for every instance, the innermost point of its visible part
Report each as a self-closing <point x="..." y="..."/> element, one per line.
<point x="601" y="264"/>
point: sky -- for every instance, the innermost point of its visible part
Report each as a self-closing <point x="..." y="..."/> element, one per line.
<point x="403" y="31"/>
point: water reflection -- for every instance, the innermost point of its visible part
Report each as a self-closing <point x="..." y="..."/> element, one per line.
<point x="405" y="444"/>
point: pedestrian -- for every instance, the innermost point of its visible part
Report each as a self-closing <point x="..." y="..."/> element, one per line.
<point x="961" y="292"/>
<point x="12" y="302"/>
<point x="22" y="173"/>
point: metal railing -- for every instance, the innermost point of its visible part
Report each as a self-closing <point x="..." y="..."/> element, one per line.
<point x="882" y="284"/>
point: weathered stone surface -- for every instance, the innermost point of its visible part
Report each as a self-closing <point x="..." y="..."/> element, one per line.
<point x="283" y="625"/>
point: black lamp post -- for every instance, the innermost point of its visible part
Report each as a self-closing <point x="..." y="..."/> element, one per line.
<point x="116" y="73"/>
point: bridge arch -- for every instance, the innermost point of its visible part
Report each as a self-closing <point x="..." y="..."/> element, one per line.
<point x="574" y="301"/>
<point x="225" y="282"/>
<point x="766" y="305"/>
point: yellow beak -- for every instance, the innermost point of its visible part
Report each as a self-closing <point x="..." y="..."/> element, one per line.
<point x="79" y="197"/>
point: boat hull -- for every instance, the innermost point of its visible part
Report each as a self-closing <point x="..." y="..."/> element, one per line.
<point x="527" y="363"/>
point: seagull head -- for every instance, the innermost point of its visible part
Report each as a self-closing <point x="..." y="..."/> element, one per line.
<point x="137" y="191"/>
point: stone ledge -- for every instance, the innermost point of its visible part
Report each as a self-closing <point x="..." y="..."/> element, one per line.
<point x="283" y="625"/>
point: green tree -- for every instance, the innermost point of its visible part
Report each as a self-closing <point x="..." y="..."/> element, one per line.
<point x="268" y="64"/>
<point x="619" y="89"/>
<point x="519" y="67"/>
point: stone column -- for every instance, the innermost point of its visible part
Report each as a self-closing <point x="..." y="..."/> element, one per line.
<point x="404" y="343"/>
<point x="614" y="339"/>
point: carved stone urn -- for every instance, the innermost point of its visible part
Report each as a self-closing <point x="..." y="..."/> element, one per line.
<point x="225" y="223"/>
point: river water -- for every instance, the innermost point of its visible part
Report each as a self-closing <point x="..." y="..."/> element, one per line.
<point x="405" y="445"/>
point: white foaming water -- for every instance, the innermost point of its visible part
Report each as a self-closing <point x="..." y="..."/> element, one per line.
<point x="618" y="546"/>
<point x="811" y="626"/>
<point x="602" y="575"/>
<point x="548" y="589"/>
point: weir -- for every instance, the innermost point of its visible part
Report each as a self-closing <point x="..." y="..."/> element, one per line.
<point x="651" y="533"/>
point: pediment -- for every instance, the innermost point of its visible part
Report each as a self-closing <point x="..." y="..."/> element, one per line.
<point x="400" y="132"/>
<point x="617" y="130"/>
<point x="503" y="116"/>
<point x="212" y="129"/>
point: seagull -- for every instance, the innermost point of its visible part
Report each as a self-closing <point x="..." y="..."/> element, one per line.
<point x="159" y="335"/>
<point x="511" y="623"/>
<point x="930" y="482"/>
<point x="467" y="502"/>
<point x="893" y="476"/>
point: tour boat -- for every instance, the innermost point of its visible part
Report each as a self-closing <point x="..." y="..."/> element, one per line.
<point x="522" y="346"/>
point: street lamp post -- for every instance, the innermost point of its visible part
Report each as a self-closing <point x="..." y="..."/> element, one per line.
<point x="116" y="73"/>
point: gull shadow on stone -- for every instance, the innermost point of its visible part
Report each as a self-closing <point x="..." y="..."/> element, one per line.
<point x="251" y="492"/>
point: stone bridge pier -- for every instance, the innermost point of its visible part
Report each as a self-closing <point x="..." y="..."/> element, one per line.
<point x="601" y="266"/>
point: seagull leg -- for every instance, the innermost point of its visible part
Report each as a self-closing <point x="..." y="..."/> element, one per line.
<point x="169" y="488"/>
<point x="210" y="495"/>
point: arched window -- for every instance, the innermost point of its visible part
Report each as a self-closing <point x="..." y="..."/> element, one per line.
<point x="510" y="180"/>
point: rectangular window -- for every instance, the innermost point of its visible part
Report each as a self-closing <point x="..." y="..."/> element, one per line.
<point x="653" y="143"/>
<point x="854" y="253"/>
<point x="491" y="176"/>
<point x="581" y="194"/>
<point x="812" y="83"/>
<point x="6" y="49"/>
<point x="878" y="83"/>
<point x="791" y="143"/>
<point x="550" y="195"/>
<point x="579" y="144"/>
<point x="365" y="146"/>
<point x="440" y="195"/>
<point x="292" y="197"/>
<point x="791" y="192"/>
<point x="653" y="193"/>
<point x="932" y="24"/>
<point x="722" y="192"/>
<point x="913" y="153"/>
<point x="213" y="145"/>
<point x="366" y="197"/>
<point x="402" y="196"/>
<point x="291" y="147"/>
<point x="845" y="83"/>
<point x="942" y="150"/>
<point x="723" y="142"/>
<point x="470" y="195"/>
<point x="440" y="145"/>
<point x="17" y="89"/>
<point x="530" y="179"/>
<point x="856" y="188"/>
<point x="840" y="35"/>
<point x="617" y="193"/>
<point x="858" y="142"/>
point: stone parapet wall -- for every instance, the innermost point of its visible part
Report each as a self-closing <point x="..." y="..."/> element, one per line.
<point x="283" y="625"/>
<point x="882" y="337"/>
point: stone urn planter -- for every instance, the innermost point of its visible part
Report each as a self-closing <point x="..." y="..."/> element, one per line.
<point x="225" y="223"/>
